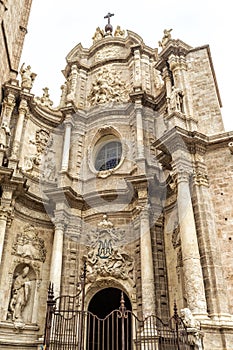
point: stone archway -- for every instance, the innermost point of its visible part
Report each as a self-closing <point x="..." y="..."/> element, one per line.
<point x="106" y="322"/>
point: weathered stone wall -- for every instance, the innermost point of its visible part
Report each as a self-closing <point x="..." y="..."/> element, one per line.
<point x="206" y="101"/>
<point x="12" y="32"/>
<point x="219" y="161"/>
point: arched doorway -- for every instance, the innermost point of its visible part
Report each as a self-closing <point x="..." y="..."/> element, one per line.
<point x="109" y="326"/>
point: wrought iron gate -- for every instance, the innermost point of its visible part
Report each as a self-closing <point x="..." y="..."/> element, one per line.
<point x="69" y="327"/>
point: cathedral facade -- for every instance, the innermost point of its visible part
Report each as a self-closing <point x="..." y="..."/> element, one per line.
<point x="129" y="180"/>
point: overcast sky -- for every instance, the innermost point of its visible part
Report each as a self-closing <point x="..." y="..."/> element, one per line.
<point x="56" y="26"/>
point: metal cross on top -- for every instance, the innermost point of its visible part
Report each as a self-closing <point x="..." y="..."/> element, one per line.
<point x="108" y="27"/>
<point x="108" y="16"/>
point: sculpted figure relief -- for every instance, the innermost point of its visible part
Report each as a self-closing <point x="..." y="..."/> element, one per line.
<point x="20" y="294"/>
<point x="108" y="87"/>
<point x="29" y="245"/>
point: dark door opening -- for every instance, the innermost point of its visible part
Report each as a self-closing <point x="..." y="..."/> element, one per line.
<point x="107" y="326"/>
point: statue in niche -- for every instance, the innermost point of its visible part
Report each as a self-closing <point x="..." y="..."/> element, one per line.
<point x="158" y="81"/>
<point x="20" y="294"/>
<point x="99" y="34"/>
<point x="4" y="134"/>
<point x="49" y="167"/>
<point x="176" y="100"/>
<point x="27" y="77"/>
<point x="166" y="37"/>
<point x="119" y="32"/>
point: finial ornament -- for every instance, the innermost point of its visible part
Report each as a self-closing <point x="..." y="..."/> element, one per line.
<point x="108" y="27"/>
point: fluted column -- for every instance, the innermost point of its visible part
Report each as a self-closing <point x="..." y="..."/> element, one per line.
<point x="23" y="109"/>
<point x="147" y="272"/>
<point x="66" y="145"/>
<point x="193" y="277"/>
<point x="57" y="253"/>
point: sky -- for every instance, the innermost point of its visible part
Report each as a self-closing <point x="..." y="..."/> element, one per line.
<point x="57" y="26"/>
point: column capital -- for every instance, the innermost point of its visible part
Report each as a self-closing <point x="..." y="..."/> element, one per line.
<point x="23" y="106"/>
<point x="182" y="170"/>
<point x="6" y="214"/>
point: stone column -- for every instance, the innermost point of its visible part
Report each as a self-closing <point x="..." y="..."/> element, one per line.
<point x="23" y="109"/>
<point x="57" y="253"/>
<point x="147" y="272"/>
<point x="5" y="213"/>
<point x="193" y="278"/>
<point x="66" y="145"/>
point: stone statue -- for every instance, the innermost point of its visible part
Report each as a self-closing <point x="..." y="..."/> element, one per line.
<point x="99" y="34"/>
<point x="27" y="77"/>
<point x="4" y="132"/>
<point x="188" y="319"/>
<point x="119" y="32"/>
<point x="166" y="38"/>
<point x="176" y="100"/>
<point x="20" y="294"/>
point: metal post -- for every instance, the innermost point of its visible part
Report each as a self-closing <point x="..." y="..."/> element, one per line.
<point x="49" y="316"/>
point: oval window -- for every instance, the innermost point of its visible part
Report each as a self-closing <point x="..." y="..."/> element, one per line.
<point x="109" y="156"/>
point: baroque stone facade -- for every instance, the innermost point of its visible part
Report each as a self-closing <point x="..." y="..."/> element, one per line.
<point x="131" y="174"/>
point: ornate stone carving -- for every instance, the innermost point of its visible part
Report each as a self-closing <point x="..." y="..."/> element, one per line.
<point x="166" y="37"/>
<point x="20" y="295"/>
<point x="106" y="257"/>
<point x="49" y="167"/>
<point x="195" y="335"/>
<point x="4" y="135"/>
<point x="108" y="87"/>
<point x="158" y="81"/>
<point x="175" y="100"/>
<point x="45" y="99"/>
<point x="99" y="34"/>
<point x="107" y="52"/>
<point x="43" y="141"/>
<point x="119" y="32"/>
<point x="27" y="77"/>
<point x="29" y="245"/>
<point x="188" y="319"/>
